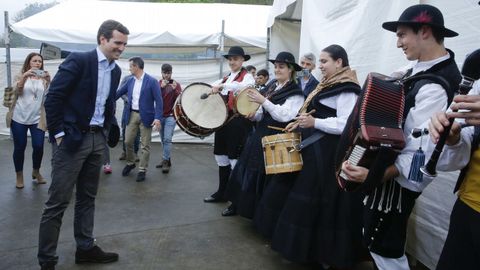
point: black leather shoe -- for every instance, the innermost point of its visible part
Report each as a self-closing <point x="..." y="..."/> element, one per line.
<point x="160" y="165"/>
<point x="128" y="168"/>
<point x="95" y="255"/>
<point x="229" y="211"/>
<point x="211" y="199"/>
<point x="141" y="176"/>
<point x="48" y="266"/>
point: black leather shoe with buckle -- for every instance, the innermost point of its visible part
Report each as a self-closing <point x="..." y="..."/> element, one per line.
<point x="95" y="255"/>
<point x="212" y="199"/>
<point x="229" y="211"/>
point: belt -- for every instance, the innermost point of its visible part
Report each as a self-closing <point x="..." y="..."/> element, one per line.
<point x="137" y="111"/>
<point x="94" y="129"/>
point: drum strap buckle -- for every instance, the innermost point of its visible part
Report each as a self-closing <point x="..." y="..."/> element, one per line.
<point x="317" y="135"/>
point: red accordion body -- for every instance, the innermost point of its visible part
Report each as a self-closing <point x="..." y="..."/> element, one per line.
<point x="380" y="116"/>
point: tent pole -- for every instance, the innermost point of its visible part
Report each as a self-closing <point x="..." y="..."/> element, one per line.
<point x="222" y="44"/>
<point x="7" y="49"/>
<point x="269" y="31"/>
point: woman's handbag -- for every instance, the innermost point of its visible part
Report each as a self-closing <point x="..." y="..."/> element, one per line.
<point x="10" y="99"/>
<point x="8" y="96"/>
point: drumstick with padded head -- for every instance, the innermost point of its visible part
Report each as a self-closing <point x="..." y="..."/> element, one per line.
<point x="205" y="95"/>
<point x="283" y="129"/>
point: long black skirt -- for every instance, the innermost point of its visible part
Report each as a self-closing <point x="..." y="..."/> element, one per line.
<point x="319" y="222"/>
<point x="245" y="186"/>
<point x="277" y="188"/>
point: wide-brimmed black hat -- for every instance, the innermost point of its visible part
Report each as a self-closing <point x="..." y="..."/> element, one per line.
<point x="421" y="14"/>
<point x="237" y="51"/>
<point x="288" y="58"/>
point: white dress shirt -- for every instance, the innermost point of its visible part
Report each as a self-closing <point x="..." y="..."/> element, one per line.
<point x="431" y="98"/>
<point x="281" y="112"/>
<point x="136" y="92"/>
<point x="231" y="85"/>
<point x="343" y="103"/>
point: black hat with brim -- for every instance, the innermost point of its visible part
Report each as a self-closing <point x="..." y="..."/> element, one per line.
<point x="113" y="135"/>
<point x="421" y="14"/>
<point x="287" y="58"/>
<point x="237" y="51"/>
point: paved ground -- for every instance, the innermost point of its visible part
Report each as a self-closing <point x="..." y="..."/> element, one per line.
<point x="161" y="223"/>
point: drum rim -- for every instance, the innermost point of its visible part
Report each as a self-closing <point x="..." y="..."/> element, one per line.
<point x="239" y="93"/>
<point x="191" y="120"/>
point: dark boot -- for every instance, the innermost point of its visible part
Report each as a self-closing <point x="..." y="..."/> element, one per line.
<point x="47" y="266"/>
<point x="219" y="195"/>
<point x="166" y="164"/>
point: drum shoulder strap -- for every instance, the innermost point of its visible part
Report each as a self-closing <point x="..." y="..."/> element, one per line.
<point x="317" y="135"/>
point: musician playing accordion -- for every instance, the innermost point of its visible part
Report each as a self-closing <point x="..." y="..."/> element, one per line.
<point x="420" y="33"/>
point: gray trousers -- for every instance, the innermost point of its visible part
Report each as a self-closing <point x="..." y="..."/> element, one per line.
<point x="69" y="169"/>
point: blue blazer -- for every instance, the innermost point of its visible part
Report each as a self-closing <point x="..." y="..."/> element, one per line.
<point x="310" y="86"/>
<point x="70" y="101"/>
<point x="150" y="103"/>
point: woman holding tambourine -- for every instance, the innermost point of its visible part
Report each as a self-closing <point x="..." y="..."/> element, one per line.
<point x="279" y="105"/>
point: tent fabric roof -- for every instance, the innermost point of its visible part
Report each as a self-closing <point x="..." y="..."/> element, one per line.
<point x="285" y="9"/>
<point x="150" y="23"/>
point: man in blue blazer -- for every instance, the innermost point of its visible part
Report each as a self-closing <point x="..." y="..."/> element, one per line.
<point x="145" y="110"/>
<point x="80" y="109"/>
<point x="306" y="81"/>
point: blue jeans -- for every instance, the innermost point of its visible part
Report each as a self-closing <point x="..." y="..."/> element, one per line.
<point x="19" y="134"/>
<point x="166" y="134"/>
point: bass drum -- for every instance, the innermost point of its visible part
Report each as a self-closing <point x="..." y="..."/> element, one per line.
<point x="199" y="117"/>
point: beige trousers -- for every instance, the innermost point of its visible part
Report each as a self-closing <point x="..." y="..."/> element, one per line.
<point x="133" y="125"/>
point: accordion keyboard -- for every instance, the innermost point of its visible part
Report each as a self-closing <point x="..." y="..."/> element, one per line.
<point x="354" y="158"/>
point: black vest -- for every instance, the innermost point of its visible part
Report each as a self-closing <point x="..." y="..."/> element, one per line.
<point x="277" y="97"/>
<point x="447" y="70"/>
<point x="322" y="111"/>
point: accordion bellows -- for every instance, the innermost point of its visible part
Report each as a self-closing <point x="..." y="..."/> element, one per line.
<point x="380" y="116"/>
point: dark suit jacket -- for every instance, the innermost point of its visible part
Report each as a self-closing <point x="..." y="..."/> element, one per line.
<point x="150" y="103"/>
<point x="70" y="101"/>
<point x="310" y="86"/>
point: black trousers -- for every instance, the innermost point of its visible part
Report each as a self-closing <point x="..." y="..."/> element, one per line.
<point x="462" y="247"/>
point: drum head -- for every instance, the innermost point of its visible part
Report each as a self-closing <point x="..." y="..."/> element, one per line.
<point x="207" y="113"/>
<point x="244" y="105"/>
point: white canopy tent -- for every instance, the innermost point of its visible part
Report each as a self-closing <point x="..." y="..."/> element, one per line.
<point x="150" y="23"/>
<point x="285" y="27"/>
<point x="356" y="25"/>
<point x="170" y="28"/>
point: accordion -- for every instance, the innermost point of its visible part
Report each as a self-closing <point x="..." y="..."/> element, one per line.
<point x="373" y="136"/>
